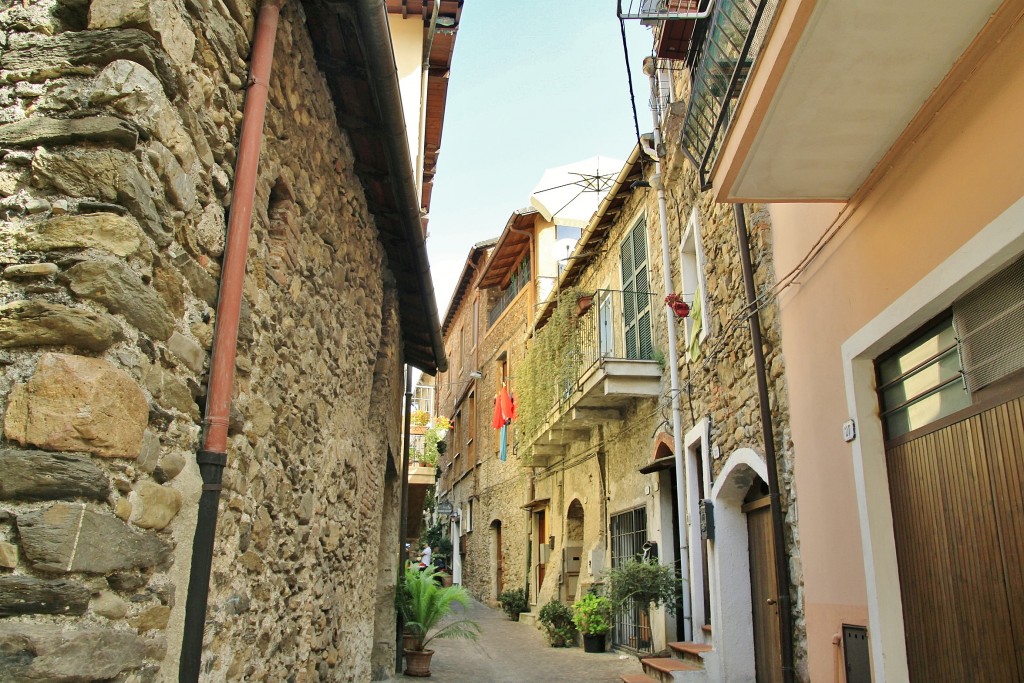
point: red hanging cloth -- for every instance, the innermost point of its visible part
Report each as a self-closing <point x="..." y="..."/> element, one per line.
<point x="498" y="421"/>
<point x="508" y="409"/>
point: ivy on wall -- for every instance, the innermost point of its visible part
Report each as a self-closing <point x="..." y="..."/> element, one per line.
<point x="548" y="371"/>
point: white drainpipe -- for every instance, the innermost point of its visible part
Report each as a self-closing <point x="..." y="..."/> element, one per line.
<point x="456" y="556"/>
<point x="650" y="69"/>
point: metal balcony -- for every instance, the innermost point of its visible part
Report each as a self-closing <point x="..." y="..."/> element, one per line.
<point x="723" y="62"/>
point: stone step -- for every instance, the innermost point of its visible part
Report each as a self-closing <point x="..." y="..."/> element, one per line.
<point x="669" y="669"/>
<point x="637" y="678"/>
<point x="690" y="652"/>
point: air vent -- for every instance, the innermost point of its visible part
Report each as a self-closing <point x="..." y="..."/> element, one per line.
<point x="989" y="322"/>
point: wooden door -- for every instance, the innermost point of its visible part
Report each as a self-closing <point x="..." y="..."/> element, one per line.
<point x="763" y="592"/>
<point x="958" y="518"/>
<point x="542" y="541"/>
<point x="499" y="561"/>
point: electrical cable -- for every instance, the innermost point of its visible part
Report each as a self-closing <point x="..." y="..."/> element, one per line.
<point x="629" y="77"/>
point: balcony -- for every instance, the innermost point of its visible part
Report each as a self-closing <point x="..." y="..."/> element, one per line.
<point x="808" y="102"/>
<point x="421" y="479"/>
<point x="673" y="22"/>
<point x="723" y="60"/>
<point x="612" y="364"/>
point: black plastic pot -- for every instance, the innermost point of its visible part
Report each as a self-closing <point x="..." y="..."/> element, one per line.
<point x="593" y="642"/>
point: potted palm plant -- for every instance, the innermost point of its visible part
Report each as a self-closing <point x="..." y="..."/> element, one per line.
<point x="592" y="615"/>
<point x="425" y="605"/>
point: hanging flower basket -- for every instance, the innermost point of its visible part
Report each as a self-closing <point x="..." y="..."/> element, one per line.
<point x="678" y="306"/>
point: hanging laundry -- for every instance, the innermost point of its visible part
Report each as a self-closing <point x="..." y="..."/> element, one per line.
<point x="508" y="407"/>
<point x="498" y="421"/>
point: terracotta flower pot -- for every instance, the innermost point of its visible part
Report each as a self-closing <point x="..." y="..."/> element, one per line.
<point x="583" y="304"/>
<point x="409" y="641"/>
<point x="417" y="662"/>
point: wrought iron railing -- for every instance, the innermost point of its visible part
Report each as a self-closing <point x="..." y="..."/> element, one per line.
<point x="650" y="11"/>
<point x="735" y="35"/>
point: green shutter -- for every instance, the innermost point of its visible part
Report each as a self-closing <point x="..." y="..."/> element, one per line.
<point x="636" y="300"/>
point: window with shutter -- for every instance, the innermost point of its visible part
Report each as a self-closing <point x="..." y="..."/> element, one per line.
<point x="636" y="297"/>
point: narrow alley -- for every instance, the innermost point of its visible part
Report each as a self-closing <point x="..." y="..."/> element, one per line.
<point x="516" y="652"/>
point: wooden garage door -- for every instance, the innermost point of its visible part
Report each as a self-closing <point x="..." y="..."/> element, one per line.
<point x="958" y="517"/>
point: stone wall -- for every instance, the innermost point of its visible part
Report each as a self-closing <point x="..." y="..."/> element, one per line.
<point x="498" y="489"/>
<point x="118" y="126"/>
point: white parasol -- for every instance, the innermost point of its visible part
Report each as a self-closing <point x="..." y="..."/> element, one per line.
<point x="570" y="194"/>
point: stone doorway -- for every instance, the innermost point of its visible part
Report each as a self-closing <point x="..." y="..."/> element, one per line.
<point x="573" y="549"/>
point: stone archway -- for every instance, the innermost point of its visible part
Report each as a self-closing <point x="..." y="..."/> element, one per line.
<point x="574" y="519"/>
<point x="729" y="568"/>
<point x="497" y="559"/>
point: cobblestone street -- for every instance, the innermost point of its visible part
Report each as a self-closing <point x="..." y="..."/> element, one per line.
<point x="516" y="652"/>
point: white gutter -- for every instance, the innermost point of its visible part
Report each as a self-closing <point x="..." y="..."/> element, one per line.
<point x="650" y="68"/>
<point x="421" y="143"/>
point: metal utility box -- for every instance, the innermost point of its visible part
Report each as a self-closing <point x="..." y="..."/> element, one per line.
<point x="856" y="655"/>
<point x="573" y="560"/>
<point x="596" y="562"/>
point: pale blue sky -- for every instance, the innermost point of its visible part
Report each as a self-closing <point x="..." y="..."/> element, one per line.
<point x="534" y="84"/>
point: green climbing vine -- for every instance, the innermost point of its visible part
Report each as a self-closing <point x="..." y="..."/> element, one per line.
<point x="549" y="368"/>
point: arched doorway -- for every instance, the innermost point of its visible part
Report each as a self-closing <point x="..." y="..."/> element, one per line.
<point x="763" y="584"/>
<point x="737" y="554"/>
<point x="498" y="560"/>
<point x="573" y="549"/>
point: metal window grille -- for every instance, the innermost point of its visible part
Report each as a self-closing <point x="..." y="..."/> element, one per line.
<point x="632" y="627"/>
<point x="935" y="373"/>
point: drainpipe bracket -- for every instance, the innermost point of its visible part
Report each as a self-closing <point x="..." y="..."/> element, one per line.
<point x="205" y="457"/>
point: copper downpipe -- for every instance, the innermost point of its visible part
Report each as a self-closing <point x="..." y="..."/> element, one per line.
<point x="213" y="456"/>
<point x="779" y="554"/>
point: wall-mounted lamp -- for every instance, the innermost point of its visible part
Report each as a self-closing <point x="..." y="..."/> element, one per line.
<point x="638" y="183"/>
<point x="476" y="374"/>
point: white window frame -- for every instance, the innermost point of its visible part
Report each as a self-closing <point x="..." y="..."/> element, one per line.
<point x="697" y="443"/>
<point x="691" y="268"/>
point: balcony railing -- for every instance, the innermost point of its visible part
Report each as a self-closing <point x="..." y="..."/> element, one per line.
<point x="723" y="61"/>
<point x="617" y="324"/>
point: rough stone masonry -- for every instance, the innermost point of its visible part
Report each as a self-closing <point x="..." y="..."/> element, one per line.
<point x="118" y="126"/>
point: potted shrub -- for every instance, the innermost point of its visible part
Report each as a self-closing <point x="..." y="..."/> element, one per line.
<point x="425" y="605"/>
<point x="592" y="615"/>
<point x="556" y="618"/>
<point x="513" y="601"/>
<point x="644" y="584"/>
